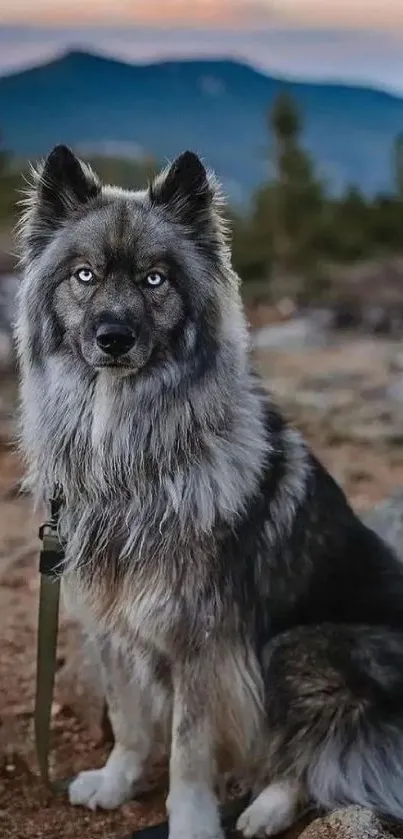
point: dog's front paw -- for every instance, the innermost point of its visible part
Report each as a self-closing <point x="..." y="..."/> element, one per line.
<point x="273" y="811"/>
<point x="111" y="786"/>
<point x="193" y="814"/>
<point x="98" y="788"/>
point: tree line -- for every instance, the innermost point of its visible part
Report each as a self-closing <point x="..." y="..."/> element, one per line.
<point x="294" y="227"/>
<point x="297" y="228"/>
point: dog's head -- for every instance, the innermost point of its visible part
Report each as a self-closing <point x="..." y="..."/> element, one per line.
<point x="125" y="280"/>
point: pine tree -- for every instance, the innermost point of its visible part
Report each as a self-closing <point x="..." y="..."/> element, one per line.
<point x="4" y="157"/>
<point x="289" y="209"/>
<point x="398" y="165"/>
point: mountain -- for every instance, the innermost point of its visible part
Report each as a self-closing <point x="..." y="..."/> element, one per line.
<point x="215" y="107"/>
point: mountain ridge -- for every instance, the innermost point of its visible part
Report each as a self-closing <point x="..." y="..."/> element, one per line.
<point x="88" y="55"/>
<point x="218" y="106"/>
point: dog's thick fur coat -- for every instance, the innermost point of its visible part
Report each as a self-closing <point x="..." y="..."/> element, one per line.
<point x="244" y="617"/>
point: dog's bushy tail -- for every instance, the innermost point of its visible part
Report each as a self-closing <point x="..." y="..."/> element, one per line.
<point x="338" y="715"/>
<point x="361" y="765"/>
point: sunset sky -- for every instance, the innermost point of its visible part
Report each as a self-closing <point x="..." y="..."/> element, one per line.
<point x="345" y="13"/>
<point x="351" y="40"/>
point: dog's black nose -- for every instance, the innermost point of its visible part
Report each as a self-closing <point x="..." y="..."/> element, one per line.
<point x="115" y="339"/>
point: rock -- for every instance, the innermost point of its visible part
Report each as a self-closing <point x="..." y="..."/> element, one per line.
<point x="395" y="390"/>
<point x="309" y="395"/>
<point x="8" y="297"/>
<point x="390" y="433"/>
<point x="352" y="823"/>
<point x="396" y="361"/>
<point x="369" y="418"/>
<point x="323" y="401"/>
<point x="300" y="332"/>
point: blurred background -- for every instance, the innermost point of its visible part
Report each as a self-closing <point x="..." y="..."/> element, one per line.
<point x="298" y="106"/>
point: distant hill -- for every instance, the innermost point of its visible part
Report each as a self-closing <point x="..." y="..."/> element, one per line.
<point x="215" y="107"/>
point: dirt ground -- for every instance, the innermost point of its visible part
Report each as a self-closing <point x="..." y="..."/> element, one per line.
<point x="346" y="399"/>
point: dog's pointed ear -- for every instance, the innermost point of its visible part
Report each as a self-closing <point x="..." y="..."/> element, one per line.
<point x="61" y="185"/>
<point x="65" y="182"/>
<point x="185" y="188"/>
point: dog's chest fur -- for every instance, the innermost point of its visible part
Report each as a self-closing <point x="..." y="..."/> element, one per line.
<point x="140" y="519"/>
<point x="159" y="594"/>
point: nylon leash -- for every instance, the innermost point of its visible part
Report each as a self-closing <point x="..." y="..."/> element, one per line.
<point x="50" y="561"/>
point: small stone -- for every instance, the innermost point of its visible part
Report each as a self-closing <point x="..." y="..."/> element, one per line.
<point x="350" y="823"/>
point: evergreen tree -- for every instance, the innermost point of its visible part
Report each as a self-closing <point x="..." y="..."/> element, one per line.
<point x="288" y="212"/>
<point x="398" y="165"/>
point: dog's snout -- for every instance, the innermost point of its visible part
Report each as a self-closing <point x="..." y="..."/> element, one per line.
<point x="115" y="339"/>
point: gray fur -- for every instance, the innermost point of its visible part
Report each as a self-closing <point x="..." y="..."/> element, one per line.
<point x="194" y="518"/>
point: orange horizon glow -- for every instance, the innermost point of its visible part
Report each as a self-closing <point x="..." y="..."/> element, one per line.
<point x="209" y="13"/>
<point x="368" y="14"/>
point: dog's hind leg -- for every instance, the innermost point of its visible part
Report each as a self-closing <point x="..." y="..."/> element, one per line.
<point x="334" y="698"/>
<point x="136" y="703"/>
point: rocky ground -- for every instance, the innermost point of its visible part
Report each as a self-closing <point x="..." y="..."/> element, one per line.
<point x="347" y="397"/>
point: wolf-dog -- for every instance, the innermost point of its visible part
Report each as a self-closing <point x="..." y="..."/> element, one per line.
<point x="244" y="617"/>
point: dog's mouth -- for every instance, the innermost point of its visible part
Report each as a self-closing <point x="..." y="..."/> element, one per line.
<point x="125" y="365"/>
<point x="115" y="365"/>
<point x="117" y="368"/>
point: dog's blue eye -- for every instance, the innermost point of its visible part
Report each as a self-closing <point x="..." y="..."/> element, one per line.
<point x="84" y="275"/>
<point x="155" y="279"/>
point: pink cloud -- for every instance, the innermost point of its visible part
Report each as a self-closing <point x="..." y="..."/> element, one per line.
<point x="216" y="13"/>
<point x="142" y="12"/>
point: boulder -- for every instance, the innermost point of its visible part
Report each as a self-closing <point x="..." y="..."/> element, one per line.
<point x="352" y="823"/>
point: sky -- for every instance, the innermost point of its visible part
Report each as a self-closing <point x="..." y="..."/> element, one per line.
<point x="343" y="13"/>
<point x="346" y="40"/>
<point x="173" y="12"/>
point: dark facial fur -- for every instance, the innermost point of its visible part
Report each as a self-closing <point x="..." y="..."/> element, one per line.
<point x="203" y="540"/>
